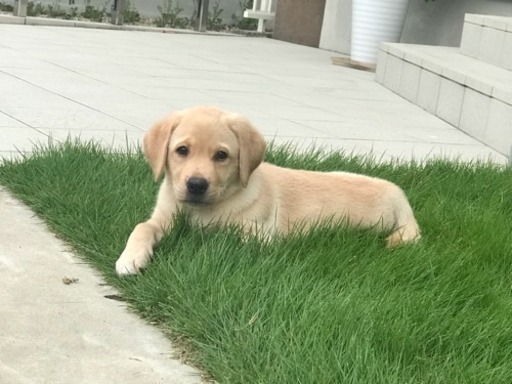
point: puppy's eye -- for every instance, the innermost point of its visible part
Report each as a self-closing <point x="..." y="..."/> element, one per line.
<point x="221" y="156"/>
<point x="182" y="151"/>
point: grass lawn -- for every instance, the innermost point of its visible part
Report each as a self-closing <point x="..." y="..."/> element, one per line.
<point x="331" y="306"/>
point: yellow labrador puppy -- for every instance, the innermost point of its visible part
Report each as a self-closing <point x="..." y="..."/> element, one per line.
<point x="212" y="162"/>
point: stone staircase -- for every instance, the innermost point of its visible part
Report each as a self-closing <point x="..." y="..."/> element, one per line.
<point x="469" y="87"/>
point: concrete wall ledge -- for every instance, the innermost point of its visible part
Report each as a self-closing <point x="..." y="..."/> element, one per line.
<point x="7" y="19"/>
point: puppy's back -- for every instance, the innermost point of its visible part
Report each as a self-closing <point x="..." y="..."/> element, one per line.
<point x="309" y="196"/>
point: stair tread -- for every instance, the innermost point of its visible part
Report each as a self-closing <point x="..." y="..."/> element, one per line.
<point x="448" y="62"/>
<point x="492" y="21"/>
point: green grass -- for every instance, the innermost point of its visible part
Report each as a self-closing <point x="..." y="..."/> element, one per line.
<point x="331" y="306"/>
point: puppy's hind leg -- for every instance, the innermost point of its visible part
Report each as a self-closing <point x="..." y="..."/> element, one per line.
<point x="406" y="228"/>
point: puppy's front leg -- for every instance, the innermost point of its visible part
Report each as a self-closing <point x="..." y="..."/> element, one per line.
<point x="139" y="247"/>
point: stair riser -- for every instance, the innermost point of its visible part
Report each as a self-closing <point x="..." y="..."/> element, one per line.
<point x="488" y="39"/>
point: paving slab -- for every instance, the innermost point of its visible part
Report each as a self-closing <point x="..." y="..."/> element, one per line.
<point x="112" y="85"/>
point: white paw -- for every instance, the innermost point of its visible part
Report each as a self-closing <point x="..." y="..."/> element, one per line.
<point x="130" y="264"/>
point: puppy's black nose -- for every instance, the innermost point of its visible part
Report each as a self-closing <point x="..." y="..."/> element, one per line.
<point x="197" y="185"/>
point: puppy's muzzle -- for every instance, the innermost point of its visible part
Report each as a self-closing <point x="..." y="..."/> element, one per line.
<point x="196" y="188"/>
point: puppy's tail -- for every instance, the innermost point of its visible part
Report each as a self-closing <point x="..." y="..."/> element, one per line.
<point x="406" y="228"/>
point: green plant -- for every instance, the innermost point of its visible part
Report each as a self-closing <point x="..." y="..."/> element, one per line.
<point x="6" y="7"/>
<point x="73" y="13"/>
<point x="35" y="9"/>
<point x="214" y="20"/>
<point x="242" y="22"/>
<point x="130" y="14"/>
<point x="170" y="15"/>
<point x="94" y="13"/>
<point x="55" y="10"/>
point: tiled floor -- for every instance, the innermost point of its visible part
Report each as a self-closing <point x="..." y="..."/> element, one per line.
<point x="112" y="85"/>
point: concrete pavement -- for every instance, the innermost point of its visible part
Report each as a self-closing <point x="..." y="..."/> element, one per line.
<point x="111" y="86"/>
<point x="56" y="330"/>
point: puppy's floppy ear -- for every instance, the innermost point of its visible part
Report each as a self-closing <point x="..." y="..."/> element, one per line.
<point x="156" y="142"/>
<point x="251" y="146"/>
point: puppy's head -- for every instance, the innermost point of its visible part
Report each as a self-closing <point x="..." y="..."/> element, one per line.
<point x="208" y="154"/>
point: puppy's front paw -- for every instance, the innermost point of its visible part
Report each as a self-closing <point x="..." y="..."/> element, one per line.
<point x="130" y="263"/>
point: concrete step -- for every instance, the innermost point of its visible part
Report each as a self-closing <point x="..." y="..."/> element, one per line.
<point x="472" y="95"/>
<point x="488" y="38"/>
